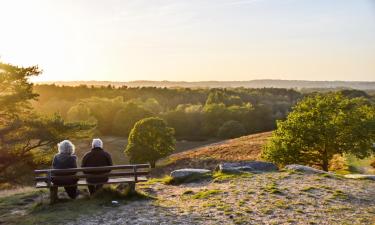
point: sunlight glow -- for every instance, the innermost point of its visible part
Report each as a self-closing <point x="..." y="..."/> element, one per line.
<point x="190" y="39"/>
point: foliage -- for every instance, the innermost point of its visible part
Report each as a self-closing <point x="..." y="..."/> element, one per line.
<point x="195" y="114"/>
<point x="321" y="126"/>
<point x="26" y="139"/>
<point x="150" y="140"/>
<point x="80" y="112"/>
<point x="126" y="117"/>
<point x="231" y="129"/>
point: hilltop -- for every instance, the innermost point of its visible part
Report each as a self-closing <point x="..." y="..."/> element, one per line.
<point x="239" y="149"/>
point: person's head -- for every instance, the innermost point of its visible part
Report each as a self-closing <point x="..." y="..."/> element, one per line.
<point x="97" y="143"/>
<point x="66" y="147"/>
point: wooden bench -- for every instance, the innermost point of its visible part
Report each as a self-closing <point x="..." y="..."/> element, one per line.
<point x="130" y="174"/>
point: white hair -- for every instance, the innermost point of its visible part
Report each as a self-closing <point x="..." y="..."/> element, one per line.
<point x="97" y="143"/>
<point x="66" y="147"/>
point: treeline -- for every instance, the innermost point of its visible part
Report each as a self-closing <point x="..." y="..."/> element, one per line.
<point x="195" y="114"/>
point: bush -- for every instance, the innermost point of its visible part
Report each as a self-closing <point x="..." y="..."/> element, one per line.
<point x="231" y="129"/>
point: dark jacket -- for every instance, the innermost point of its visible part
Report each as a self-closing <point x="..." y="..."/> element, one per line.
<point x="97" y="157"/>
<point x="64" y="161"/>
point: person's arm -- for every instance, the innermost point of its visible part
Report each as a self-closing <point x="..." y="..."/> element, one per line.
<point x="54" y="162"/>
<point x="74" y="164"/>
<point x="109" y="159"/>
<point x="84" y="160"/>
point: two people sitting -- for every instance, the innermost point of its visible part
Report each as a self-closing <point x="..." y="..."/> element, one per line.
<point x="65" y="159"/>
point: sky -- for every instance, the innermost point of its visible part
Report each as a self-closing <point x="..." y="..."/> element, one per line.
<point x="190" y="40"/>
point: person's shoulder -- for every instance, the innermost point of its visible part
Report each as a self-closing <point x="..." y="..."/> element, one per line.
<point x="106" y="153"/>
<point x="87" y="154"/>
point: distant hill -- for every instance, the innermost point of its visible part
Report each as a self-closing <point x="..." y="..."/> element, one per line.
<point x="297" y="84"/>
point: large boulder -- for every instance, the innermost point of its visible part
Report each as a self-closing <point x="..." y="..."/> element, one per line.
<point x="249" y="166"/>
<point x="305" y="169"/>
<point x="183" y="174"/>
<point x="360" y="176"/>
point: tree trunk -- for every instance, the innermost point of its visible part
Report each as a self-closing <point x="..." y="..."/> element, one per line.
<point x="152" y="163"/>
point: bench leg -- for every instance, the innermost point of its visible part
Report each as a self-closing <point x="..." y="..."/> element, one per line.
<point x="53" y="194"/>
<point x="132" y="188"/>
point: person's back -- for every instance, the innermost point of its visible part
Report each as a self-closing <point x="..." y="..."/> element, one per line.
<point x="95" y="158"/>
<point x="65" y="160"/>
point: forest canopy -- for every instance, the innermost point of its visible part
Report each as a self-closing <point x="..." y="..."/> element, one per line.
<point x="195" y="114"/>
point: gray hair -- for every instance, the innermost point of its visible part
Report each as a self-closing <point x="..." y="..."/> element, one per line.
<point x="66" y="147"/>
<point x="97" y="143"/>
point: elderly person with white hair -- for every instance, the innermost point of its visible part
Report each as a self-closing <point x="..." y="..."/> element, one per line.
<point x="66" y="159"/>
<point x="94" y="158"/>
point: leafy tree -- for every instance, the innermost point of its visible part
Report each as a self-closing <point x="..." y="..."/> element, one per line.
<point x="150" y="140"/>
<point x="321" y="126"/>
<point x="187" y="120"/>
<point x="27" y="139"/>
<point x="126" y="117"/>
<point x="231" y="129"/>
<point x="80" y="112"/>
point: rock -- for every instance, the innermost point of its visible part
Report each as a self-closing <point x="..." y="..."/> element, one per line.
<point x="360" y="176"/>
<point x="186" y="173"/>
<point x="305" y="169"/>
<point x="250" y="166"/>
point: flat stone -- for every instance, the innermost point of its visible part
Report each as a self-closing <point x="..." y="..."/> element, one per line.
<point x="305" y="169"/>
<point x="360" y="176"/>
<point x="249" y="166"/>
<point x="184" y="173"/>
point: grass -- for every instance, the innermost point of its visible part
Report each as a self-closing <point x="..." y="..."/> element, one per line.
<point x="338" y="194"/>
<point x="163" y="180"/>
<point x="41" y="212"/>
<point x="272" y="188"/>
<point x="307" y="189"/>
<point x="220" y="176"/>
<point x="205" y="194"/>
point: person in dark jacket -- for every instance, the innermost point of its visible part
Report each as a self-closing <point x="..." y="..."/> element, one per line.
<point x="66" y="159"/>
<point x="96" y="157"/>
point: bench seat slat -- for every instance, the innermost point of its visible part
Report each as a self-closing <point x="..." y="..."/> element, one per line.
<point x="110" y="181"/>
<point x="88" y="169"/>
<point x="113" y="174"/>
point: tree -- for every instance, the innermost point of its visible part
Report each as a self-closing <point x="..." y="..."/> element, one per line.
<point x="321" y="126"/>
<point x="80" y="112"/>
<point x="231" y="129"/>
<point x="150" y="140"/>
<point x="27" y="139"/>
<point x="126" y="117"/>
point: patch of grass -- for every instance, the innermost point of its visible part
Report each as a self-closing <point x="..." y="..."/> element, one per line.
<point x="281" y="204"/>
<point x="307" y="189"/>
<point x="163" y="180"/>
<point x="272" y="188"/>
<point x="205" y="194"/>
<point x="65" y="210"/>
<point x="338" y="194"/>
<point x="188" y="192"/>
<point x="266" y="211"/>
<point x="221" y="177"/>
<point x="15" y="202"/>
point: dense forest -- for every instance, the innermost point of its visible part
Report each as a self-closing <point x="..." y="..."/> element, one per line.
<point x="195" y="114"/>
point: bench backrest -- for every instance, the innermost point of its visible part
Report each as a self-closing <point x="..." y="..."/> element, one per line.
<point x="46" y="175"/>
